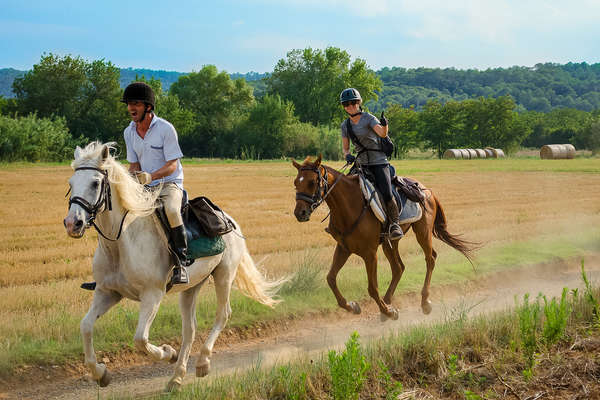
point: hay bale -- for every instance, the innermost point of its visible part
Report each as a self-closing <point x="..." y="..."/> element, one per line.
<point x="499" y="153"/>
<point x="570" y="151"/>
<point x="489" y="152"/>
<point x="481" y="153"/>
<point x="452" y="153"/>
<point x="557" y="151"/>
<point x="465" y="154"/>
<point x="472" y="153"/>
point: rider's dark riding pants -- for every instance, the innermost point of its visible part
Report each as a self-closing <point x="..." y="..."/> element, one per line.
<point x="382" y="180"/>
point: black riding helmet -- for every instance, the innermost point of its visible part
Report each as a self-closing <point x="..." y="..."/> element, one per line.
<point x="350" y="94"/>
<point x="139" y="91"/>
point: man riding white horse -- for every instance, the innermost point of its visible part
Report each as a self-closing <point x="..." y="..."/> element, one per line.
<point x="153" y="153"/>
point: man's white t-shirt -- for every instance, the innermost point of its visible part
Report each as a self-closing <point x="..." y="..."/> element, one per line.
<point x="158" y="146"/>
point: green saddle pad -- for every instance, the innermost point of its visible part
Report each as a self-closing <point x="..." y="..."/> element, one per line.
<point x="205" y="247"/>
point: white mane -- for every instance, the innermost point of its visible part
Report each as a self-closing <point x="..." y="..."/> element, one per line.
<point x="132" y="196"/>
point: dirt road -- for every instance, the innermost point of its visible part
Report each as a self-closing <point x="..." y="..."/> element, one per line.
<point x="313" y="336"/>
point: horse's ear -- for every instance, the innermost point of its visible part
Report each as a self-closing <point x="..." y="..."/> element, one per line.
<point x="298" y="166"/>
<point x="105" y="152"/>
<point x="77" y="152"/>
<point x="318" y="161"/>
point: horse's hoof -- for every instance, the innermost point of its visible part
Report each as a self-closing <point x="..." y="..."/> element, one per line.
<point x="391" y="314"/>
<point x="355" y="307"/>
<point x="426" y="307"/>
<point x="168" y="349"/>
<point x="173" y="386"/>
<point x="105" y="380"/>
<point x="202" y="370"/>
<point x="395" y="314"/>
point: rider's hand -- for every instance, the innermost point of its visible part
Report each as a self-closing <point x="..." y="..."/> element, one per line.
<point x="143" y="178"/>
<point x="350" y="158"/>
<point x="383" y="120"/>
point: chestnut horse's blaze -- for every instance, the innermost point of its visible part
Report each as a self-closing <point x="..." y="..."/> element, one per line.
<point x="357" y="231"/>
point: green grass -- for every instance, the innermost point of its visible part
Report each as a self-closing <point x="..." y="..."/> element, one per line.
<point x="444" y="358"/>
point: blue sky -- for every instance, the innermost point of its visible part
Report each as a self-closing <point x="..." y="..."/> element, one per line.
<point x="243" y="36"/>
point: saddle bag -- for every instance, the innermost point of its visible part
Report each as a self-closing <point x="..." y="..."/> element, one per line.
<point x="213" y="220"/>
<point x="410" y="188"/>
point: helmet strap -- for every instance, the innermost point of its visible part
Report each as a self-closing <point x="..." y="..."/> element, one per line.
<point x="357" y="113"/>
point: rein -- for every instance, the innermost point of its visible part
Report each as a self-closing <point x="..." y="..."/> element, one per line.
<point x="104" y="199"/>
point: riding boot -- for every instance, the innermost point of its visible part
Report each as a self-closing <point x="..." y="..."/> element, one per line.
<point x="180" y="275"/>
<point x="395" y="230"/>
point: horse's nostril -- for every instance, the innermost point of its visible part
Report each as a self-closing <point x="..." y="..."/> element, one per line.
<point x="79" y="224"/>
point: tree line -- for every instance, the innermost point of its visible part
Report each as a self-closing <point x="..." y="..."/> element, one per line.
<point x="293" y="111"/>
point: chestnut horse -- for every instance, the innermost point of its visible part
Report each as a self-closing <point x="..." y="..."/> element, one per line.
<point x="357" y="231"/>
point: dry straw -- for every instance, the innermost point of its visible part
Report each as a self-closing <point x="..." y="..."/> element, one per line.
<point x="557" y="151"/>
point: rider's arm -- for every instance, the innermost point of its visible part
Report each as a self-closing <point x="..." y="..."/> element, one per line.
<point x="134" y="167"/>
<point x="166" y="170"/>
<point x="381" y="131"/>
<point x="345" y="146"/>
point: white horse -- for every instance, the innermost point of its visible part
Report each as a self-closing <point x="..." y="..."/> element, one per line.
<point x="137" y="264"/>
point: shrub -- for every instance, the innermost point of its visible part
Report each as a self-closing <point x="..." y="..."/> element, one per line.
<point x="348" y="370"/>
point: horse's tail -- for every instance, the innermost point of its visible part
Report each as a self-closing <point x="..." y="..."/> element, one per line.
<point x="251" y="282"/>
<point x="439" y="231"/>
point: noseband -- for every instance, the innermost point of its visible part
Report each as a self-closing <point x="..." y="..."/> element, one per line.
<point x="103" y="203"/>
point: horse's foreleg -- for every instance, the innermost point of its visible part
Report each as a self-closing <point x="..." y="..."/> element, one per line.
<point x="223" y="277"/>
<point x="150" y="301"/>
<point x="101" y="303"/>
<point x="397" y="267"/>
<point x="387" y="311"/>
<point x="340" y="256"/>
<point x="187" y="305"/>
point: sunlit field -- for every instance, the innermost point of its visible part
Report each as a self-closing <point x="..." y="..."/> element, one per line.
<point x="522" y="210"/>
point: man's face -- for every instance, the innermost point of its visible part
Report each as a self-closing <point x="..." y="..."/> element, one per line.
<point x="136" y="110"/>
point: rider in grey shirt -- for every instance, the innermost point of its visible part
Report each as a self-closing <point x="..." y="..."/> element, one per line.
<point x="368" y="131"/>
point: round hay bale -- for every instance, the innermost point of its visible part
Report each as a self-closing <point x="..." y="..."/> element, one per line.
<point x="489" y="152"/>
<point x="452" y="153"/>
<point x="554" y="152"/>
<point x="499" y="153"/>
<point x="465" y="154"/>
<point x="481" y="153"/>
<point x="570" y="151"/>
<point x="472" y="153"/>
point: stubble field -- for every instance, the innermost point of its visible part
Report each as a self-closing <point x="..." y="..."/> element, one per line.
<point x="522" y="210"/>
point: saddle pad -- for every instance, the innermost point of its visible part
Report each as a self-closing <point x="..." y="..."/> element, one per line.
<point x="410" y="211"/>
<point x="372" y="197"/>
<point x="205" y="247"/>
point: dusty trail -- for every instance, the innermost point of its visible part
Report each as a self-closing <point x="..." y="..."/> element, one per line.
<point x="313" y="336"/>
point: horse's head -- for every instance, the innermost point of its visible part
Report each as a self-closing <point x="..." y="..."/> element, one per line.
<point x="89" y="188"/>
<point x="309" y="185"/>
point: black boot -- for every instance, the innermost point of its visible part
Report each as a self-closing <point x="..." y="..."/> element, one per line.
<point x="395" y="230"/>
<point x="180" y="275"/>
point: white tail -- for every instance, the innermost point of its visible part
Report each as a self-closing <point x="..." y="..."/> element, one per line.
<point x="253" y="284"/>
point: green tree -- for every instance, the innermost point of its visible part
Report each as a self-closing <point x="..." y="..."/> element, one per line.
<point x="404" y="128"/>
<point x="441" y="125"/>
<point x="314" y="79"/>
<point x="86" y="94"/>
<point x="218" y="104"/>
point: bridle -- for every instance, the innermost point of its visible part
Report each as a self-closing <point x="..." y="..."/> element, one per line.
<point x="316" y="199"/>
<point x="104" y="202"/>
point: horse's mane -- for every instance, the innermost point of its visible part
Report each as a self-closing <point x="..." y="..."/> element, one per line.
<point x="308" y="161"/>
<point x="132" y="196"/>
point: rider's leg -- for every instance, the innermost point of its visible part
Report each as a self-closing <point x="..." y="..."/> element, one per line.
<point x="171" y="196"/>
<point x="384" y="184"/>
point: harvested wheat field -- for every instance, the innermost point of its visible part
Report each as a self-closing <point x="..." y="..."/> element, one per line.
<point x="522" y="211"/>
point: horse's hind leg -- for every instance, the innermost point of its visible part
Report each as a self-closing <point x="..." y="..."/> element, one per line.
<point x="187" y="305"/>
<point x="340" y="256"/>
<point x="102" y="302"/>
<point x="223" y="277"/>
<point x="150" y="301"/>
<point x="397" y="267"/>
<point x="424" y="237"/>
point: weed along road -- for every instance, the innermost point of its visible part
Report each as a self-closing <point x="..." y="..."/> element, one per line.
<point x="537" y="220"/>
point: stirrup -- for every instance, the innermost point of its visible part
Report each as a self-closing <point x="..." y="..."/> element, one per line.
<point x="180" y="276"/>
<point x="395" y="234"/>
